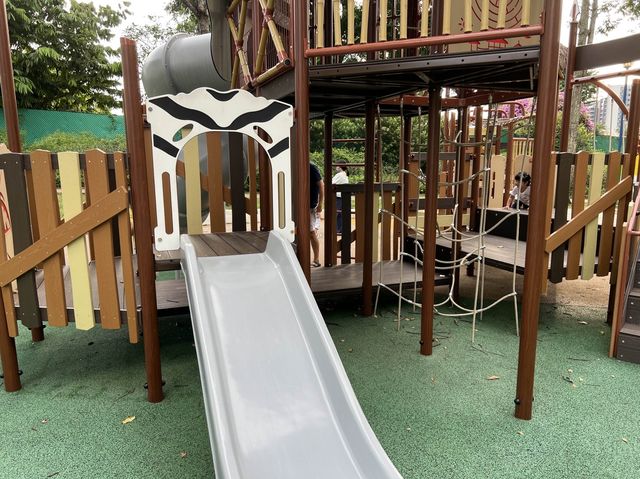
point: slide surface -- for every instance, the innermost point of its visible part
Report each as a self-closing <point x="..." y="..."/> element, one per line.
<point x="278" y="401"/>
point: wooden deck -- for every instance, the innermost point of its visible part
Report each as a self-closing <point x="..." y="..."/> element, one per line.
<point x="171" y="293"/>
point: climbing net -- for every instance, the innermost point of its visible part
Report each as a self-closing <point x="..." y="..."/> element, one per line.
<point x="454" y="233"/>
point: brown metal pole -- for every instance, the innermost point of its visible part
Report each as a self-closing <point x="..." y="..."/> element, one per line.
<point x="535" y="269"/>
<point x="369" y="173"/>
<point x="405" y="158"/>
<point x="329" y="196"/>
<point x="477" y="153"/>
<point x="430" y="214"/>
<point x="634" y="123"/>
<point x="568" y="80"/>
<point x="141" y="219"/>
<point x="9" y="104"/>
<point x="302" y="140"/>
<point x="10" y="107"/>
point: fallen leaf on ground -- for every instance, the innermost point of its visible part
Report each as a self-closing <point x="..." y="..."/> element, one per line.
<point x="350" y="350"/>
<point x="521" y="433"/>
<point x="582" y="322"/>
<point x="493" y="378"/>
<point x="183" y="454"/>
<point x="128" y="419"/>
<point x="625" y="440"/>
<point x="45" y="421"/>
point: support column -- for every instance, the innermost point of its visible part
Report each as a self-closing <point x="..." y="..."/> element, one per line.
<point x="405" y="157"/>
<point x="142" y="225"/>
<point x="633" y="124"/>
<point x="568" y="80"/>
<point x="302" y="140"/>
<point x="236" y="180"/>
<point x="369" y="173"/>
<point x="535" y="269"/>
<point x="329" y="196"/>
<point x="430" y="218"/>
<point x="10" y="108"/>
<point x="509" y="166"/>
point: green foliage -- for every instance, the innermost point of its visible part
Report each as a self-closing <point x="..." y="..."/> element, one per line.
<point x="80" y="142"/>
<point x="614" y="11"/>
<point x="60" y="57"/>
<point x="190" y="15"/>
<point x="152" y="34"/>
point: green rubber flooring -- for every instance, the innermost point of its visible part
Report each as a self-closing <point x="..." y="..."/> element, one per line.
<point x="437" y="417"/>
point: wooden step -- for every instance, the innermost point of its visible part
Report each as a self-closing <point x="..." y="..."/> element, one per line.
<point x="629" y="344"/>
<point x="632" y="310"/>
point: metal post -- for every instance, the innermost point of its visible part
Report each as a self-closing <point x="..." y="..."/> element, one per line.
<point x="430" y="218"/>
<point x="568" y="81"/>
<point x="369" y="173"/>
<point x="141" y="219"/>
<point x="329" y="196"/>
<point x="633" y="124"/>
<point x="535" y="269"/>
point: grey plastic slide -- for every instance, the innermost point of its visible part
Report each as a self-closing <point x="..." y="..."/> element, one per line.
<point x="278" y="401"/>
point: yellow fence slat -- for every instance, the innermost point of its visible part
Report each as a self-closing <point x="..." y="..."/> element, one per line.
<point x="591" y="230"/>
<point x="7" y="292"/>
<point x="192" y="186"/>
<point x="78" y="259"/>
<point x="337" y="33"/>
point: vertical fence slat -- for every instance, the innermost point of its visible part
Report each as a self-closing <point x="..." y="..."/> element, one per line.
<point x="17" y="197"/>
<point x="97" y="177"/>
<point x="468" y="17"/>
<point x="621" y="216"/>
<point x="192" y="186"/>
<point x="319" y="16"/>
<point x="404" y="9"/>
<point x="360" y="229"/>
<point x="337" y="32"/>
<point x="606" y="229"/>
<point x="561" y="203"/>
<point x="502" y="13"/>
<point x="591" y="230"/>
<point x="446" y="17"/>
<point x="46" y="203"/>
<point x="126" y="253"/>
<point x="351" y="22"/>
<point x="526" y="13"/>
<point x="364" y="24"/>
<point x="382" y="29"/>
<point x="577" y="205"/>
<point x="424" y="19"/>
<point x="78" y="258"/>
<point x="7" y="291"/>
<point x="148" y="154"/>
<point x="253" y="194"/>
<point x="484" y="16"/>
<point x="216" y="190"/>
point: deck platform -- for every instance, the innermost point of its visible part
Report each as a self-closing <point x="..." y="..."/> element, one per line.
<point x="171" y="293"/>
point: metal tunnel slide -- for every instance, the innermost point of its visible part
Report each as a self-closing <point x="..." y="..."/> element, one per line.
<point x="278" y="401"/>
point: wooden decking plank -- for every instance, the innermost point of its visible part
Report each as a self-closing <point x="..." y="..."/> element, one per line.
<point x="577" y="205"/>
<point x="236" y="242"/>
<point x="220" y="247"/>
<point x="257" y="239"/>
<point x="202" y="248"/>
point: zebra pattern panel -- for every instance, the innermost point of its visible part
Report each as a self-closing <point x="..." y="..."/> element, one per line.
<point x="207" y="110"/>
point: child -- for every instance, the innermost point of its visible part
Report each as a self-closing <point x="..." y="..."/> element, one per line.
<point x="519" y="195"/>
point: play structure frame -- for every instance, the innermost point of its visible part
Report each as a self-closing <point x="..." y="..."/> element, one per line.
<point x="309" y="73"/>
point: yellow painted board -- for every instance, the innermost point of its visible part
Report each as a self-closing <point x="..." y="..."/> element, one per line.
<point x="192" y="186"/>
<point x="351" y="21"/>
<point x="424" y="19"/>
<point x="591" y="230"/>
<point x="404" y="10"/>
<point x="320" y="23"/>
<point x="78" y="259"/>
<point x="364" y="23"/>
<point x="337" y="33"/>
<point x="382" y="32"/>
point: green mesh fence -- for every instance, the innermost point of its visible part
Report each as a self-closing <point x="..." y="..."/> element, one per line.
<point x="36" y="124"/>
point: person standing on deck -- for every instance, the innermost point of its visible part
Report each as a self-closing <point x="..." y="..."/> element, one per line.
<point x="340" y="178"/>
<point x="316" y="190"/>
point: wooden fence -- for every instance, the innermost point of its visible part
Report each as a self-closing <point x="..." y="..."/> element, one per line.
<point x="76" y="239"/>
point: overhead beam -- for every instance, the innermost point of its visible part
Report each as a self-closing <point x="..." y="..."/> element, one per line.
<point x="613" y="52"/>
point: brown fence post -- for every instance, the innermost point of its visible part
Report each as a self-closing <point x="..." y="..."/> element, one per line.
<point x="141" y="218"/>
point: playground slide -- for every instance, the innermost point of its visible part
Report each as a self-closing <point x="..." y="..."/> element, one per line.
<point x="278" y="401"/>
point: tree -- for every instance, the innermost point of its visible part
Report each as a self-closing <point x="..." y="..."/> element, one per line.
<point x="151" y="34"/>
<point x="614" y="11"/>
<point x="191" y="13"/>
<point x="60" y="57"/>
